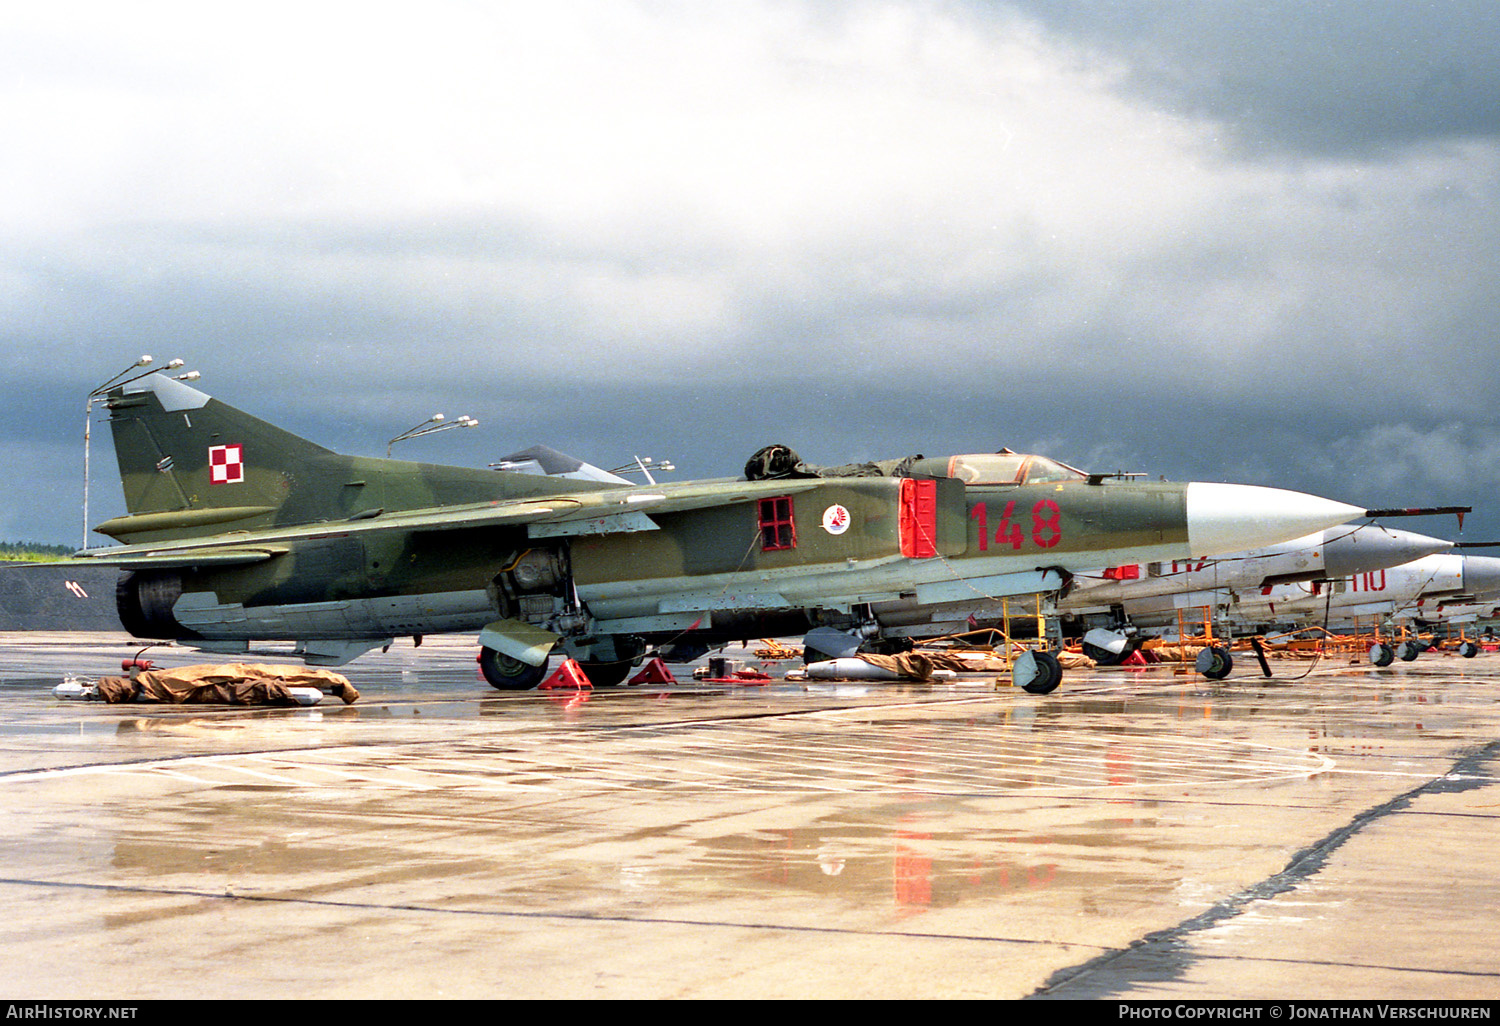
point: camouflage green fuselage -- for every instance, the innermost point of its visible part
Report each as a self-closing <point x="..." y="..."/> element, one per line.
<point x="991" y="541"/>
<point x="239" y="531"/>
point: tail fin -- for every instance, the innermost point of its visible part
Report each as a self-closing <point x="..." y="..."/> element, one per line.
<point x="190" y="464"/>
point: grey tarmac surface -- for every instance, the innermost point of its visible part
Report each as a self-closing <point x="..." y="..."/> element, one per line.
<point x="1137" y="835"/>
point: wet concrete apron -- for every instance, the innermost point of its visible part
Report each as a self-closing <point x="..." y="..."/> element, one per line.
<point x="1133" y="835"/>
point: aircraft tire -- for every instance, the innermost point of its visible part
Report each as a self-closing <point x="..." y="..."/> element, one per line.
<point x="1049" y="677"/>
<point x="1468" y="649"/>
<point x="1407" y="651"/>
<point x="1214" y="662"/>
<point x="1101" y="656"/>
<point x="1382" y="654"/>
<point x="507" y="674"/>
<point x="682" y="652"/>
<point x="606" y="674"/>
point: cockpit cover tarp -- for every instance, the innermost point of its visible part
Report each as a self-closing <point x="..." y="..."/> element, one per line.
<point x="774" y="462"/>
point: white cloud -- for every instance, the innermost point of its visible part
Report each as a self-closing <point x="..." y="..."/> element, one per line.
<point x="1449" y="458"/>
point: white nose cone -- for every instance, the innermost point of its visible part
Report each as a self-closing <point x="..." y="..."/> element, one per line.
<point x="1232" y="518"/>
<point x="1352" y="551"/>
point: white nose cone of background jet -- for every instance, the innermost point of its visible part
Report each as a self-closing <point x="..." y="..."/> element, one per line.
<point x="1232" y="518"/>
<point x="1351" y="550"/>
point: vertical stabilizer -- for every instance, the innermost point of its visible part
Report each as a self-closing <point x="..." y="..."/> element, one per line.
<point x="190" y="463"/>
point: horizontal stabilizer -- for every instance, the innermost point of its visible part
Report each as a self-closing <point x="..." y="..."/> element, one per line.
<point x="146" y="558"/>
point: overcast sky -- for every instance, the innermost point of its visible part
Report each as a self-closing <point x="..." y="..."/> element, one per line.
<point x="1235" y="241"/>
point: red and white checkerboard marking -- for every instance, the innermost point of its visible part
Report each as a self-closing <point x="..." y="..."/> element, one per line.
<point x="226" y="464"/>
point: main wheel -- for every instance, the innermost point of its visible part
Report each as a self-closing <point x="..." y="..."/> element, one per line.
<point x="1407" y="651"/>
<point x="606" y="675"/>
<point x="1382" y="654"/>
<point x="508" y="674"/>
<point x="1214" y="662"/>
<point x="682" y="652"/>
<point x="1468" y="649"/>
<point x="1102" y="656"/>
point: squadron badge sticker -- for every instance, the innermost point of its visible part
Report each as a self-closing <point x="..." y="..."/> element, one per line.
<point x="835" y="520"/>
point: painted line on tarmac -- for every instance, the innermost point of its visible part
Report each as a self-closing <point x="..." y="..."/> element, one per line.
<point x="1165" y="956"/>
<point x="588" y="917"/>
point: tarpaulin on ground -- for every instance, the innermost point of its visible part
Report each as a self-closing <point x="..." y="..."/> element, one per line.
<point x="914" y="665"/>
<point x="977" y="661"/>
<point x="920" y="665"/>
<point x="225" y="684"/>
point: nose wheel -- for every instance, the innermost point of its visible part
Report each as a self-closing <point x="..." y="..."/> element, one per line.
<point x="1214" y="662"/>
<point x="1038" y="673"/>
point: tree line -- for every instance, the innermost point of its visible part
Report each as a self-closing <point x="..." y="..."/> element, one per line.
<point x="32" y="552"/>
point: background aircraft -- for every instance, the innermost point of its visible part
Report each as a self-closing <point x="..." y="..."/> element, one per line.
<point x="1402" y="592"/>
<point x="239" y="532"/>
<point x="1152" y="595"/>
<point x="1439" y="588"/>
<point x="1435" y="589"/>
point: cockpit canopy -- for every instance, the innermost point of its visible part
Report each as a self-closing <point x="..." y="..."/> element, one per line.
<point x="1002" y="468"/>
<point x="991" y="468"/>
<point x="1010" y="468"/>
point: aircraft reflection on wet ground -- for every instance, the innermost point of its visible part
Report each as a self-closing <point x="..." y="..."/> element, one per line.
<point x="1134" y="835"/>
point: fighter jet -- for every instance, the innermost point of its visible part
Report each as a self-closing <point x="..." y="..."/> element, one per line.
<point x="1432" y="589"/>
<point x="1152" y="595"/>
<point x="238" y="533"/>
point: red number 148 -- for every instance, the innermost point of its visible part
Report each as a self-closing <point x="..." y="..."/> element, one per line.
<point x="1046" y="525"/>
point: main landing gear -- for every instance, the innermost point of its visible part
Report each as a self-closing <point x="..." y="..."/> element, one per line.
<point x="606" y="674"/>
<point x="509" y="674"/>
<point x="1383" y="654"/>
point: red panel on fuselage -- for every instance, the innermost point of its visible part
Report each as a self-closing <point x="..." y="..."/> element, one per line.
<point x="919" y="518"/>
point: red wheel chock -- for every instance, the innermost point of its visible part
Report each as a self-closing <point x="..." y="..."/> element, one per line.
<point x="654" y="672"/>
<point x="568" y="675"/>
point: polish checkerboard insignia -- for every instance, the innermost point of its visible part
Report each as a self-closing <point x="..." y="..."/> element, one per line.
<point x="226" y="464"/>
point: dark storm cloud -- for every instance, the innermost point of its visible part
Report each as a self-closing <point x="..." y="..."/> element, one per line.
<point x="688" y="230"/>
<point x="1321" y="77"/>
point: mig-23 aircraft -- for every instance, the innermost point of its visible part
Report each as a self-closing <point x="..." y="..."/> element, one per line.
<point x="1150" y="595"/>
<point x="1434" y="589"/>
<point x="239" y="532"/>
